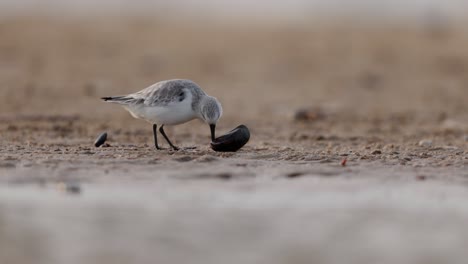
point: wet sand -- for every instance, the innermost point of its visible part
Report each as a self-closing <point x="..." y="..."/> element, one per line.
<point x="390" y="100"/>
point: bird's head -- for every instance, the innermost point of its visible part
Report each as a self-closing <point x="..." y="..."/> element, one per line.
<point x="211" y="111"/>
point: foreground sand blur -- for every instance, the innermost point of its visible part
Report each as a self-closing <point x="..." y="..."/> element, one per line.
<point x="392" y="100"/>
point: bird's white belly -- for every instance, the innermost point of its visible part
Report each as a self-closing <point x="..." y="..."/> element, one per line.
<point x="172" y="114"/>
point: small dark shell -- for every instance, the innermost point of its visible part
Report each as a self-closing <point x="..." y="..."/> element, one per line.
<point x="232" y="141"/>
<point x="100" y="139"/>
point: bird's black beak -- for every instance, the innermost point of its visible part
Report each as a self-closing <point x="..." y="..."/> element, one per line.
<point x="212" y="128"/>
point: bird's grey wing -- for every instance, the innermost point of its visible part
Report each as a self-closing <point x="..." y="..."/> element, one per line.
<point x="159" y="94"/>
<point x="162" y="94"/>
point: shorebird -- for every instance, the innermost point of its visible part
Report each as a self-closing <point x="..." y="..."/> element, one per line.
<point x="171" y="102"/>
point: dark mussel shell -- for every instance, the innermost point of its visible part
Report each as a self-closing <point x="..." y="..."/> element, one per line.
<point x="101" y="139"/>
<point x="232" y="141"/>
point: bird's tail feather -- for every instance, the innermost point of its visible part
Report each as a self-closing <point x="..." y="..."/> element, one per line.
<point x="118" y="99"/>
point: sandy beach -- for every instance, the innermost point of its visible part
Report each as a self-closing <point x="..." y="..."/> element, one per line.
<point x="390" y="100"/>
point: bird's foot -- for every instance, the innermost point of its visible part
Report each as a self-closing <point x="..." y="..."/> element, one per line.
<point x="175" y="148"/>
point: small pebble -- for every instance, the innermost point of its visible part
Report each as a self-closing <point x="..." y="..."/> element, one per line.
<point x="101" y="139"/>
<point x="376" y="152"/>
<point x="420" y="177"/>
<point x="224" y="176"/>
<point x="294" y="174"/>
<point x="425" y="143"/>
<point x="343" y="162"/>
<point x="320" y="137"/>
<point x="71" y="188"/>
<point x="308" y="114"/>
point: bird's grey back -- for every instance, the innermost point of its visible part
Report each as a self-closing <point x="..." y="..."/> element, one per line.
<point x="161" y="94"/>
<point x="165" y="92"/>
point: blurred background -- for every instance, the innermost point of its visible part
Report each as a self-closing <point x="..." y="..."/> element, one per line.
<point x="262" y="59"/>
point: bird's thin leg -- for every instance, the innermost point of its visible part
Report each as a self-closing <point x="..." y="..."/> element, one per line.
<point x="155" y="133"/>
<point x="161" y="129"/>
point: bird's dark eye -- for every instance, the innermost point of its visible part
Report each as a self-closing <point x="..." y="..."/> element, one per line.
<point x="181" y="96"/>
